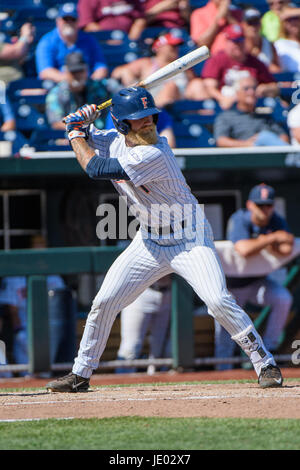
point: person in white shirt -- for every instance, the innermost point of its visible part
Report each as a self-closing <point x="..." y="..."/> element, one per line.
<point x="288" y="46"/>
<point x="293" y="122"/>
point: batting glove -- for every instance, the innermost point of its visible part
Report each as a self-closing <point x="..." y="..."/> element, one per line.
<point x="77" y="122"/>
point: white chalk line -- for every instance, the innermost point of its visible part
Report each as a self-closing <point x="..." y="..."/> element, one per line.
<point x="31" y="419"/>
<point x="126" y="398"/>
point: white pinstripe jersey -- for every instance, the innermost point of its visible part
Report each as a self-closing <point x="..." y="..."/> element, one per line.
<point x="155" y="179"/>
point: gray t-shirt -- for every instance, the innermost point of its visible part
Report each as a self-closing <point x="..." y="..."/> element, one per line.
<point x="241" y="126"/>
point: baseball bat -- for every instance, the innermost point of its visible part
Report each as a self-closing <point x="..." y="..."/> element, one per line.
<point x="173" y="68"/>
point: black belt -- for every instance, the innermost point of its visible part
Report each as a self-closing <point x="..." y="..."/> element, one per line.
<point x="164" y="230"/>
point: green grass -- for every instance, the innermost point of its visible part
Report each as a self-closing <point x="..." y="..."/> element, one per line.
<point x="136" y="433"/>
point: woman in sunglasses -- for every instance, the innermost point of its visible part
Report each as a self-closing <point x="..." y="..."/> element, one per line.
<point x="256" y="44"/>
<point x="288" y="46"/>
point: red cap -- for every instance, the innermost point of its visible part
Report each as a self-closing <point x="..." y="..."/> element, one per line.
<point x="234" y="32"/>
<point x="168" y="38"/>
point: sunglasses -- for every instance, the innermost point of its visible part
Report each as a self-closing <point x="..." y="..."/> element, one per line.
<point x="69" y="19"/>
<point x="276" y="2"/>
<point x="253" y="22"/>
<point x="294" y="18"/>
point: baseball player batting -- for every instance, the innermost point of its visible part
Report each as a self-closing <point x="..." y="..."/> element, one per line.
<point x="143" y="169"/>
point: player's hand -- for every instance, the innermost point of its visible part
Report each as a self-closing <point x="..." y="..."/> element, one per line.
<point x="77" y="122"/>
<point x="89" y="114"/>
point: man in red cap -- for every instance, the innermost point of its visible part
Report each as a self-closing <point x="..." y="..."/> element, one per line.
<point x="223" y="69"/>
<point x="165" y="50"/>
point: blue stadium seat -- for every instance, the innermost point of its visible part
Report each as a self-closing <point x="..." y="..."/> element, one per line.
<point x="119" y="54"/>
<point x="152" y="32"/>
<point x="188" y="108"/>
<point x="286" y="76"/>
<point x="49" y="140"/>
<point x="110" y="35"/>
<point x="54" y="3"/>
<point x="17" y="139"/>
<point x="16" y="91"/>
<point x="43" y="19"/>
<point x="192" y="134"/>
<point x="261" y="5"/>
<point x="194" y="4"/>
<point x="15" y="5"/>
<point x="274" y="108"/>
<point x="28" y="118"/>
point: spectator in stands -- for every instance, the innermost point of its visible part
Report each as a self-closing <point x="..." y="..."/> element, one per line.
<point x="13" y="54"/>
<point x="165" y="50"/>
<point x="73" y="92"/>
<point x="293" y="122"/>
<point x="288" y="45"/>
<point x="271" y="22"/>
<point x="242" y="126"/>
<point x="7" y="117"/>
<point x="253" y="229"/>
<point x="13" y="296"/>
<point x="208" y="24"/>
<point x="123" y="15"/>
<point x="256" y="44"/>
<point x="221" y="71"/>
<point x="167" y="14"/>
<point x="64" y="39"/>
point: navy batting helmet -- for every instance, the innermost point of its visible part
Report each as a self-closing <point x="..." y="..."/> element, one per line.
<point x="132" y="103"/>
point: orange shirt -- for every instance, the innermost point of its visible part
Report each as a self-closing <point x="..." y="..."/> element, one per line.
<point x="201" y="19"/>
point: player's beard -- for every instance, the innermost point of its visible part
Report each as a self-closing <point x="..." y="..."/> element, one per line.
<point x="145" y="136"/>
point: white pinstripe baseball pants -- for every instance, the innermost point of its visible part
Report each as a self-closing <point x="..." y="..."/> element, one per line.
<point x="139" y="266"/>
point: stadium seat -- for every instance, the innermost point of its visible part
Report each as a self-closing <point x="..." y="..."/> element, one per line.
<point x="274" y="108"/>
<point x="17" y="139"/>
<point x="208" y="108"/>
<point x="28" y="90"/>
<point x="14" y="5"/>
<point x="192" y="134"/>
<point x="152" y="32"/>
<point x="261" y="5"/>
<point x="42" y="18"/>
<point x="110" y="35"/>
<point x="28" y="118"/>
<point x="194" y="4"/>
<point x="49" y="140"/>
<point x="286" y="76"/>
<point x="119" y="54"/>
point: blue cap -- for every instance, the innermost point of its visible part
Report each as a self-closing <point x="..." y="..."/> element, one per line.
<point x="262" y="194"/>
<point x="67" y="9"/>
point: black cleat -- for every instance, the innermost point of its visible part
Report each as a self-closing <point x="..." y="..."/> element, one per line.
<point x="69" y="383"/>
<point x="270" y="376"/>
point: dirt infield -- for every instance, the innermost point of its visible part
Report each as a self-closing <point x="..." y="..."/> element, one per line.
<point x="244" y="400"/>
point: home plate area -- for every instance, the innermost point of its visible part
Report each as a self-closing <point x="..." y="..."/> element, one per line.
<point x="237" y="400"/>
